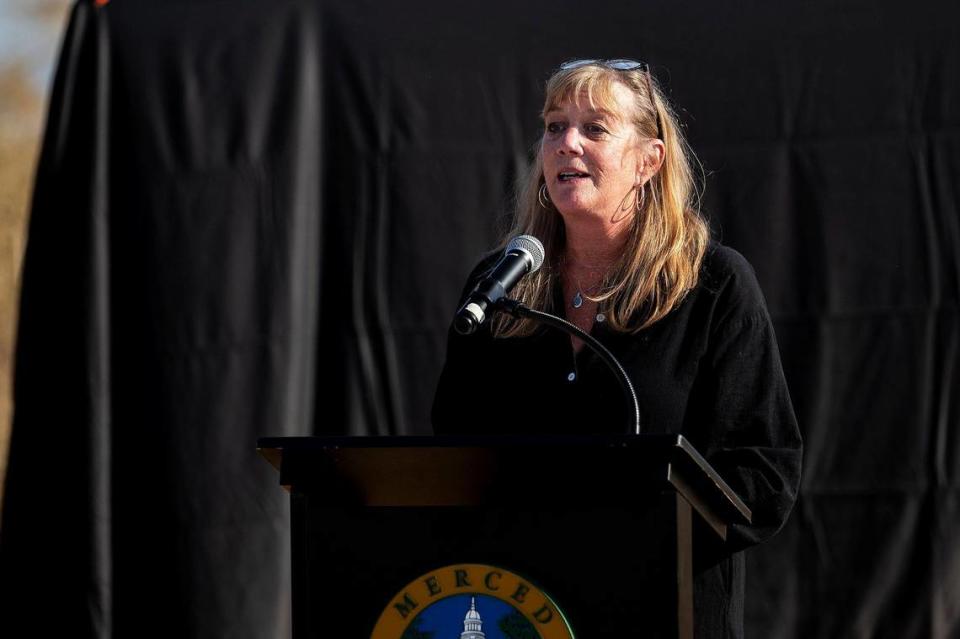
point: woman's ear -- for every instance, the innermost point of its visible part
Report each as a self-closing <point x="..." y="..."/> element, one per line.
<point x="652" y="154"/>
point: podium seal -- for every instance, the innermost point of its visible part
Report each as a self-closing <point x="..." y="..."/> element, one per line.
<point x="474" y="601"/>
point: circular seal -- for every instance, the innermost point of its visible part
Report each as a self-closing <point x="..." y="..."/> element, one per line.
<point x="472" y="601"/>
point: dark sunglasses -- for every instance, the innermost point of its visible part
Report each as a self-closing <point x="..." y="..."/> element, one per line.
<point x="620" y="64"/>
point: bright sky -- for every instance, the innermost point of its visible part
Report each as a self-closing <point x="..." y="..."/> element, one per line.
<point x="24" y="36"/>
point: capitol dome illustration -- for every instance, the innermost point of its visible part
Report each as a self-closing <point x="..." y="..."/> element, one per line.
<point x="472" y="623"/>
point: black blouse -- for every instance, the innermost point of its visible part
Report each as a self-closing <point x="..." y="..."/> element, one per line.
<point x="709" y="370"/>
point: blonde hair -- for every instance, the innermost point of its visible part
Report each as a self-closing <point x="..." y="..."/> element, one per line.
<point x="668" y="237"/>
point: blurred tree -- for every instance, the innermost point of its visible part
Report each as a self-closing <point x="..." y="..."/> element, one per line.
<point x="23" y="72"/>
<point x="516" y="626"/>
<point x="414" y="631"/>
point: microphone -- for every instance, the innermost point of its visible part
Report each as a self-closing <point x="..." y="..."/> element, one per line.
<point x="524" y="254"/>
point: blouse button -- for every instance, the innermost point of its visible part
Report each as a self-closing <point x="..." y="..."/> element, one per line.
<point x="571" y="376"/>
<point x="601" y="318"/>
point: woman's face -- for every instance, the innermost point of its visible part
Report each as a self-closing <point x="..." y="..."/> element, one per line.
<point x="591" y="161"/>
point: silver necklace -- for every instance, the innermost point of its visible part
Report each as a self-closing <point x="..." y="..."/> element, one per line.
<point x="577" y="301"/>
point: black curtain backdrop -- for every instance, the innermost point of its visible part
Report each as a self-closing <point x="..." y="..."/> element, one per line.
<point x="254" y="218"/>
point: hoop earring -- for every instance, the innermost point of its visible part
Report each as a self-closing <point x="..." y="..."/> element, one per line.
<point x="543" y="197"/>
<point x="641" y="197"/>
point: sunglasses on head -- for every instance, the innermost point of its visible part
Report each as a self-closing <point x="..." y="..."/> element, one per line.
<point x="619" y="64"/>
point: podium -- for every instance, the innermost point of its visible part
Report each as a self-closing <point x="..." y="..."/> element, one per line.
<point x="587" y="536"/>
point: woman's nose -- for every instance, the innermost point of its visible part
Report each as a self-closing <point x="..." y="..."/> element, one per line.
<point x="570" y="143"/>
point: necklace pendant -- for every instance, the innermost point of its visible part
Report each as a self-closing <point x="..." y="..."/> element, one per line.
<point x="577" y="300"/>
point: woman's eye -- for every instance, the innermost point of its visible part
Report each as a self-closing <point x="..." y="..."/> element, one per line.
<point x="595" y="129"/>
<point x="554" y="127"/>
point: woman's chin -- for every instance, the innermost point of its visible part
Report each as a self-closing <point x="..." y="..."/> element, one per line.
<point x="575" y="211"/>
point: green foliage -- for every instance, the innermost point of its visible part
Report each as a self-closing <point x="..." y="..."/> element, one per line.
<point x="414" y="631"/>
<point x="516" y="626"/>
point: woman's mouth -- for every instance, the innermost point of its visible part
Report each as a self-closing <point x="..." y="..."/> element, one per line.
<point x="566" y="176"/>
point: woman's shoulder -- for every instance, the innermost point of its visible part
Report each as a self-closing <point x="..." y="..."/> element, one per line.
<point x="487" y="261"/>
<point x="727" y="275"/>
<point x="479" y="271"/>
<point x="721" y="262"/>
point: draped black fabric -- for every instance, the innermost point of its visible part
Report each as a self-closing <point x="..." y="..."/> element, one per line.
<point x="254" y="218"/>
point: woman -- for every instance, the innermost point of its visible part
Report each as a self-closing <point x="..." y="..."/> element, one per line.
<point x="611" y="195"/>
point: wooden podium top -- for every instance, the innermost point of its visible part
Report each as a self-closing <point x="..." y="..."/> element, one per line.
<point x="514" y="471"/>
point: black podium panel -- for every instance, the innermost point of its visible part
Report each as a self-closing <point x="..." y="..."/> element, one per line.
<point x="600" y="525"/>
<point x="606" y="569"/>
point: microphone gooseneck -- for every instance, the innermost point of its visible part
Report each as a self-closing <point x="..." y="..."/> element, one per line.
<point x="523" y="255"/>
<point x="517" y="309"/>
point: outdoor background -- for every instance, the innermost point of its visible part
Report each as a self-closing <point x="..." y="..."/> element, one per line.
<point x="30" y="32"/>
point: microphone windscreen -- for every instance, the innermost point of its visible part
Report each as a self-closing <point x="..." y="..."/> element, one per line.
<point x="530" y="245"/>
